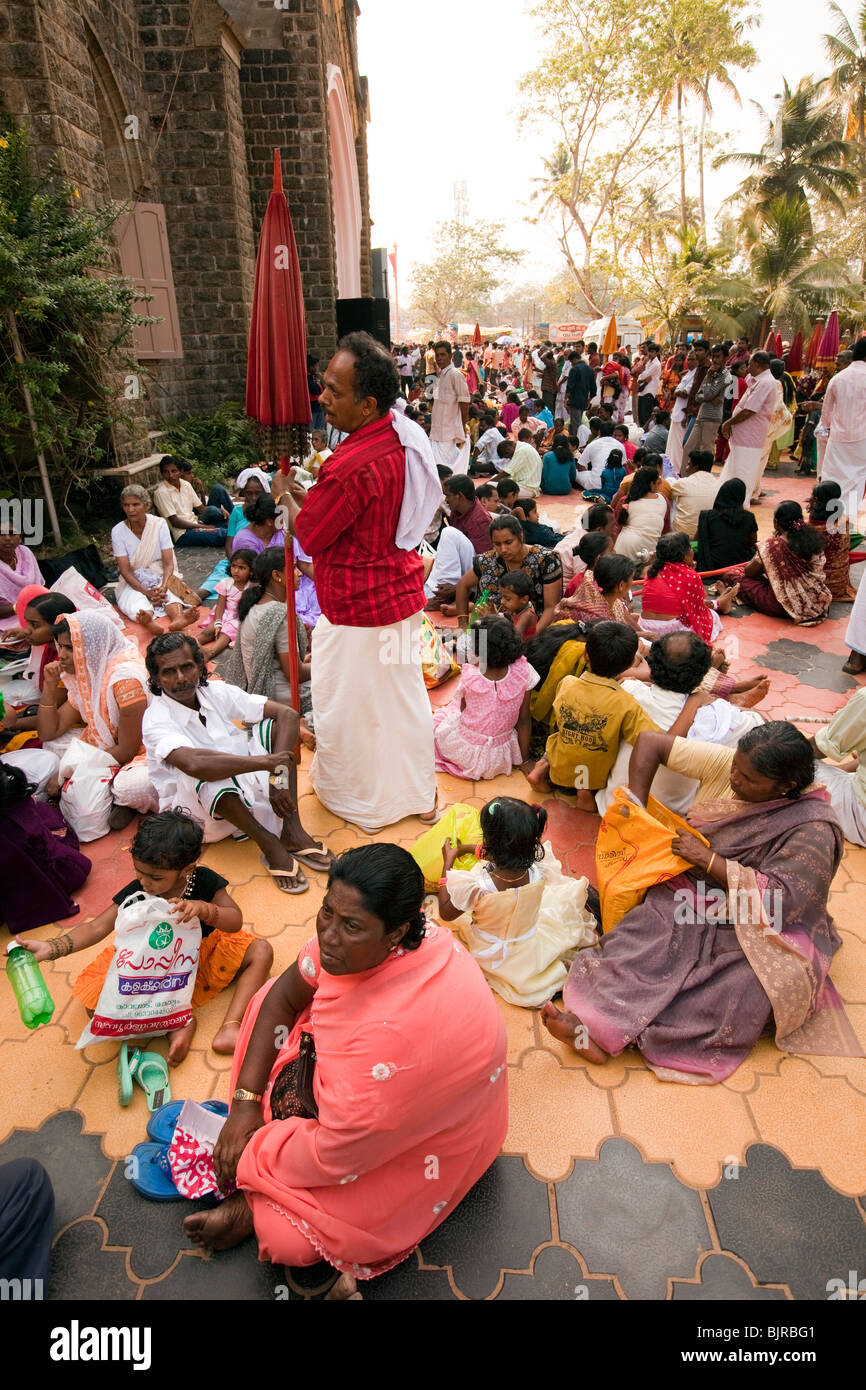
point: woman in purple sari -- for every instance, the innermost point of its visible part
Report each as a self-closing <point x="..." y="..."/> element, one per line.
<point x="697" y="972"/>
<point x="38" y="867"/>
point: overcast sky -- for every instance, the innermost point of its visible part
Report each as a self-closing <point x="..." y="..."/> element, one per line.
<point x="443" y="100"/>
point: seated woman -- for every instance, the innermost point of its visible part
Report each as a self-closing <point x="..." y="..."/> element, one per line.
<point x="106" y="687"/>
<point x="694" y="974"/>
<point x="262" y="528"/>
<point x="260" y="661"/>
<point x="510" y="552"/>
<point x="583" y="601"/>
<point x="145" y="557"/>
<point x="673" y="592"/>
<point x="251" y="483"/>
<point x="18" y="570"/>
<point x="330" y="1140"/>
<point x="39" y="867"/>
<point x="524" y="918"/>
<point x="37" y="611"/>
<point x="786" y="577"/>
<point x="643" y="516"/>
<point x="727" y="532"/>
<point x="832" y="523"/>
<point x="558" y="472"/>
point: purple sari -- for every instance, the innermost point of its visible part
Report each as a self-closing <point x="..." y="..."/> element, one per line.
<point x="37" y="869"/>
<point x="694" y="975"/>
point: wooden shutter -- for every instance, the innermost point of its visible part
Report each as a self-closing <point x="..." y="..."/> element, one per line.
<point x="144" y="258"/>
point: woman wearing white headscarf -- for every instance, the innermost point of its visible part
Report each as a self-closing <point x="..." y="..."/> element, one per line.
<point x="106" y="684"/>
<point x="251" y="483"/>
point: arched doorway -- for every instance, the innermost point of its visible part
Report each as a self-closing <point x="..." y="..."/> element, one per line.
<point x="346" y="188"/>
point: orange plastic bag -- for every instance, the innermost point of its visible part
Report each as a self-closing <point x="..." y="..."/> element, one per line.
<point x="633" y="853"/>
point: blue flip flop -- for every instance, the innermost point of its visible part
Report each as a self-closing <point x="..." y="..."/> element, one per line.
<point x="161" y="1125"/>
<point x="151" y="1174"/>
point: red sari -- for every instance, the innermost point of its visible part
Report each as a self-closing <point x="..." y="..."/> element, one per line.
<point x="677" y="590"/>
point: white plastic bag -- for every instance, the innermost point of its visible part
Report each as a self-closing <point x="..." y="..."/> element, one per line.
<point x="74" y="586"/>
<point x="149" y="985"/>
<point x="85" y="797"/>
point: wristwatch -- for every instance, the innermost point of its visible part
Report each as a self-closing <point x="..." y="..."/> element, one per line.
<point x="241" y="1094"/>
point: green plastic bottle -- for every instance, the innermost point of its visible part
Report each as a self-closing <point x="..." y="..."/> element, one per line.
<point x="35" y="1004"/>
<point x="483" y="597"/>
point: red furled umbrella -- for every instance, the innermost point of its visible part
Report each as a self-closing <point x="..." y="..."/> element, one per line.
<point x="476" y="336"/>
<point x="778" y="345"/>
<point x="770" y="344"/>
<point x="826" y="360"/>
<point x="794" y="359"/>
<point x="277" y="395"/>
<point x="810" y="356"/>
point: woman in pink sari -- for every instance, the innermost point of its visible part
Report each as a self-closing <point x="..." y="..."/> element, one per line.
<point x="18" y="571"/>
<point x="386" y="1102"/>
<point x="697" y="972"/>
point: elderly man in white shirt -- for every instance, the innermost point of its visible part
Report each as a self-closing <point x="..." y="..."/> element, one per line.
<point x="844" y="415"/>
<point x="674" y="449"/>
<point x="239" y="782"/>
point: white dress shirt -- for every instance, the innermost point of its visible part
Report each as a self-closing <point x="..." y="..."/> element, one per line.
<point x="650" y="378"/>
<point x="844" y="409"/>
<point x="169" y="725"/>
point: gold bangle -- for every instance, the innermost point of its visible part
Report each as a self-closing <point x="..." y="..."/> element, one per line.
<point x="710" y="865"/>
<point x="42" y="705"/>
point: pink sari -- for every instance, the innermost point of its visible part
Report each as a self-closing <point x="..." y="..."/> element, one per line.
<point x="410" y="1087"/>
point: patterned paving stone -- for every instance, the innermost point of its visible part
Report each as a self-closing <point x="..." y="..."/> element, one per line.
<point x="82" y="1269"/>
<point x="497" y="1226"/>
<point x="632" y="1219"/>
<point x="722" y="1278"/>
<point x="409" y="1283"/>
<point x="557" y="1275"/>
<point x="788" y="1224"/>
<point x="809" y="663"/>
<point x="229" y="1275"/>
<point x="74" y="1162"/>
<point x="153" y="1231"/>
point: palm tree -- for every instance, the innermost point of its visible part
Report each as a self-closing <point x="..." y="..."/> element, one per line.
<point x="801" y="155"/>
<point x="847" y="50"/>
<point x="549" y="186"/>
<point x="788" y="278"/>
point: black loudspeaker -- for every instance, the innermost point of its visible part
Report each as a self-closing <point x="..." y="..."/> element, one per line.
<point x="380" y="272"/>
<point x="365" y="316"/>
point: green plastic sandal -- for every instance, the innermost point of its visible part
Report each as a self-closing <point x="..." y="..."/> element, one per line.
<point x="150" y="1070"/>
<point x="124" y="1076"/>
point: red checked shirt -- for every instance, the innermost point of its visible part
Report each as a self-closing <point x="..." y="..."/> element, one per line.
<point x="348" y="523"/>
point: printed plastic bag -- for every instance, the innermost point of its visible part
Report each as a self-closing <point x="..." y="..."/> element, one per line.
<point x="85" y="796"/>
<point x="458" y="823"/>
<point x="190" y="1154"/>
<point x="83" y="595"/>
<point x="150" y="981"/>
<point x="633" y="853"/>
<point x="437" y="664"/>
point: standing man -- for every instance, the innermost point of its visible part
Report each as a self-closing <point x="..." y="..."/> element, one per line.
<point x="648" y="384"/>
<point x="678" y="415"/>
<point x="450" y="442"/>
<point x="748" y="426"/>
<point x="710" y="399"/>
<point x="844" y="415"/>
<point x="374" y="760"/>
<point x="579" y="390"/>
<point x="549" y="382"/>
<point x="407" y="371"/>
<point x="701" y="354"/>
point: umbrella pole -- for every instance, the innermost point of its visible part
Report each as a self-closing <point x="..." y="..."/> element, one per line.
<point x="292" y="618"/>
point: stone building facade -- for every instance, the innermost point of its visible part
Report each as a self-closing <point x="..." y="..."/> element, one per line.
<point x="175" y="109"/>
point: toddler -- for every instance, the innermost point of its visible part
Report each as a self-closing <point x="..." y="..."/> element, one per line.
<point x="515" y="602"/>
<point x="224" y="628"/>
<point x="486" y="728"/>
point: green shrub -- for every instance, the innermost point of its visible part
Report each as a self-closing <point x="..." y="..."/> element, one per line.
<point x="217" y="445"/>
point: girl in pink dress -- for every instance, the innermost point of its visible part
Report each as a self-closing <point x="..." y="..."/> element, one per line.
<point x="486" y="728"/>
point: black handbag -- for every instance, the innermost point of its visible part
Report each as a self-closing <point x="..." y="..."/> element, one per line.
<point x="292" y="1092"/>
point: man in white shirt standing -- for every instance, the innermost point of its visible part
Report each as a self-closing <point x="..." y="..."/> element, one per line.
<point x="844" y="415"/>
<point x="649" y="382"/>
<point x="450" y="442"/>
<point x="674" y="450"/>
<point x="748" y="426"/>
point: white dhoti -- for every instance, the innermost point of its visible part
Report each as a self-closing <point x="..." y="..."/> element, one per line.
<point x="454" y="556"/>
<point x="451" y="455"/>
<point x="845" y="464"/>
<point x="374" y="760"/>
<point x="745" y="464"/>
<point x="674" y="448"/>
<point x="855" y="637"/>
<point x="201" y="799"/>
<point x="849" y="809"/>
